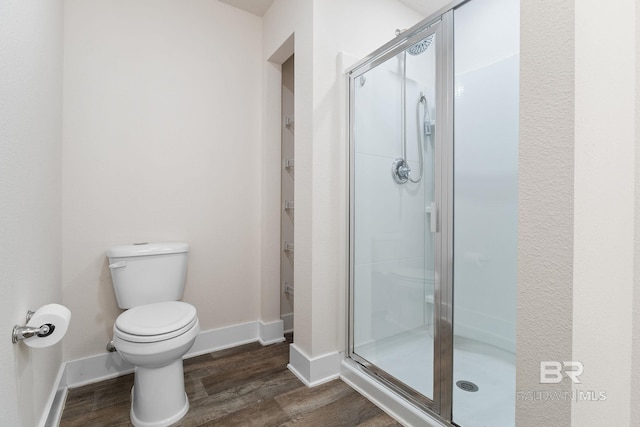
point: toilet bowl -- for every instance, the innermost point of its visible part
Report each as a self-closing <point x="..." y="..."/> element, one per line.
<point x="154" y="337"/>
<point x="156" y="329"/>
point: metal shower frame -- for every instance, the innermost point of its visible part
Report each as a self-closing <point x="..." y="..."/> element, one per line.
<point x="440" y="24"/>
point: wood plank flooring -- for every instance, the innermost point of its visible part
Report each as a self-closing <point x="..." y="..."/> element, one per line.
<point x="248" y="385"/>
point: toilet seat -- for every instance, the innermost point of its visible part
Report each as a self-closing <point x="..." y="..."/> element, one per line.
<point x="155" y="322"/>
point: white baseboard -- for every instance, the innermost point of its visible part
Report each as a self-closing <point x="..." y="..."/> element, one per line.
<point x="96" y="368"/>
<point x="110" y="365"/>
<point x="100" y="367"/>
<point x="287" y="319"/>
<point x="225" y="337"/>
<point x="53" y="409"/>
<point x="271" y="332"/>
<point x="398" y="408"/>
<point x="314" y="371"/>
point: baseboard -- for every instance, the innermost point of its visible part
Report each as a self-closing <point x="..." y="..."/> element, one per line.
<point x="100" y="367"/>
<point x="314" y="371"/>
<point x="53" y="409"/>
<point x="96" y="368"/>
<point x="110" y="365"/>
<point x="225" y="337"/>
<point x="398" y="408"/>
<point x="287" y="320"/>
<point x="271" y="332"/>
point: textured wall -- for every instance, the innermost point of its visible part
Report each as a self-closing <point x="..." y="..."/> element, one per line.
<point x="545" y="242"/>
<point x="161" y="142"/>
<point x="30" y="193"/>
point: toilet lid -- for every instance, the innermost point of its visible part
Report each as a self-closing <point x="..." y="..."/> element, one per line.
<point x="152" y="322"/>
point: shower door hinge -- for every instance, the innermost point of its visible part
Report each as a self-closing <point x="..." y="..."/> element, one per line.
<point x="289" y="122"/>
<point x="288" y="164"/>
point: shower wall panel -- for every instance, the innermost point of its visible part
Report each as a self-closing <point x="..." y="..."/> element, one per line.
<point x="486" y="105"/>
<point x="486" y="170"/>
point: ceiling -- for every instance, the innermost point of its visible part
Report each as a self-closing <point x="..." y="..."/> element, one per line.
<point x="424" y="7"/>
<point x="257" y="7"/>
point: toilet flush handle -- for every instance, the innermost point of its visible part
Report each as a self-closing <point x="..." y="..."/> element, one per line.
<point x="118" y="264"/>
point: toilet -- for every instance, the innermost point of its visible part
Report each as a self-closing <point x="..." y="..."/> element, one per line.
<point x="156" y="329"/>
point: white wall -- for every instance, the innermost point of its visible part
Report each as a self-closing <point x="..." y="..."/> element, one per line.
<point x="161" y="142"/>
<point x="322" y="30"/>
<point x="635" y="361"/>
<point x="605" y="144"/>
<point x="287" y="27"/>
<point x="30" y="196"/>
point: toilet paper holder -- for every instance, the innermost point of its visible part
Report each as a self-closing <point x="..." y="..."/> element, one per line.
<point x="23" y="332"/>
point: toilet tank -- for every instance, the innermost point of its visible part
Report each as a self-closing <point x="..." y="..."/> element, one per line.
<point x="146" y="273"/>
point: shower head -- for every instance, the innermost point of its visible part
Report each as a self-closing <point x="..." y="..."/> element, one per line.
<point x="421" y="46"/>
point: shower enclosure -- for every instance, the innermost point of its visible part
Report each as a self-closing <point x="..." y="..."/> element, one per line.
<point x="433" y="120"/>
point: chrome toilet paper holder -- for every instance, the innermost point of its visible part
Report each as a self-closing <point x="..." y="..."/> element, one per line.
<point x="20" y="333"/>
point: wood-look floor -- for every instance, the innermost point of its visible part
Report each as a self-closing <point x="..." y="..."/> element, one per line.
<point x="248" y="385"/>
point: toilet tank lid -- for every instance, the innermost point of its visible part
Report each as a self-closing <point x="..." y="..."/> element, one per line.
<point x="144" y="249"/>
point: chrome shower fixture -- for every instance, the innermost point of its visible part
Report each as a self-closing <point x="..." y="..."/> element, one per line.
<point x="400" y="170"/>
<point x="426" y="118"/>
<point x="421" y="46"/>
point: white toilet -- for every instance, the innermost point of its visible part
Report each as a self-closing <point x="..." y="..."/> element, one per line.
<point x="156" y="330"/>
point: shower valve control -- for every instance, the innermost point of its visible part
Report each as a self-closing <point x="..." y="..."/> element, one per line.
<point x="400" y="170"/>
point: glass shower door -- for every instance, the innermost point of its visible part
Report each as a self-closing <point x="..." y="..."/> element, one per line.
<point x="393" y="217"/>
<point x="433" y="226"/>
<point x="485" y="212"/>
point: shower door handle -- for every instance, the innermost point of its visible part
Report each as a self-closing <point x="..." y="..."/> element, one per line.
<point x="433" y="209"/>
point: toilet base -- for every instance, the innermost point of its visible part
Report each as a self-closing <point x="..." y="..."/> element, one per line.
<point x="158" y="398"/>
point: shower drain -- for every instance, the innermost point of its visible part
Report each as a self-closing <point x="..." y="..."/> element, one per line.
<point x="467" y="385"/>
